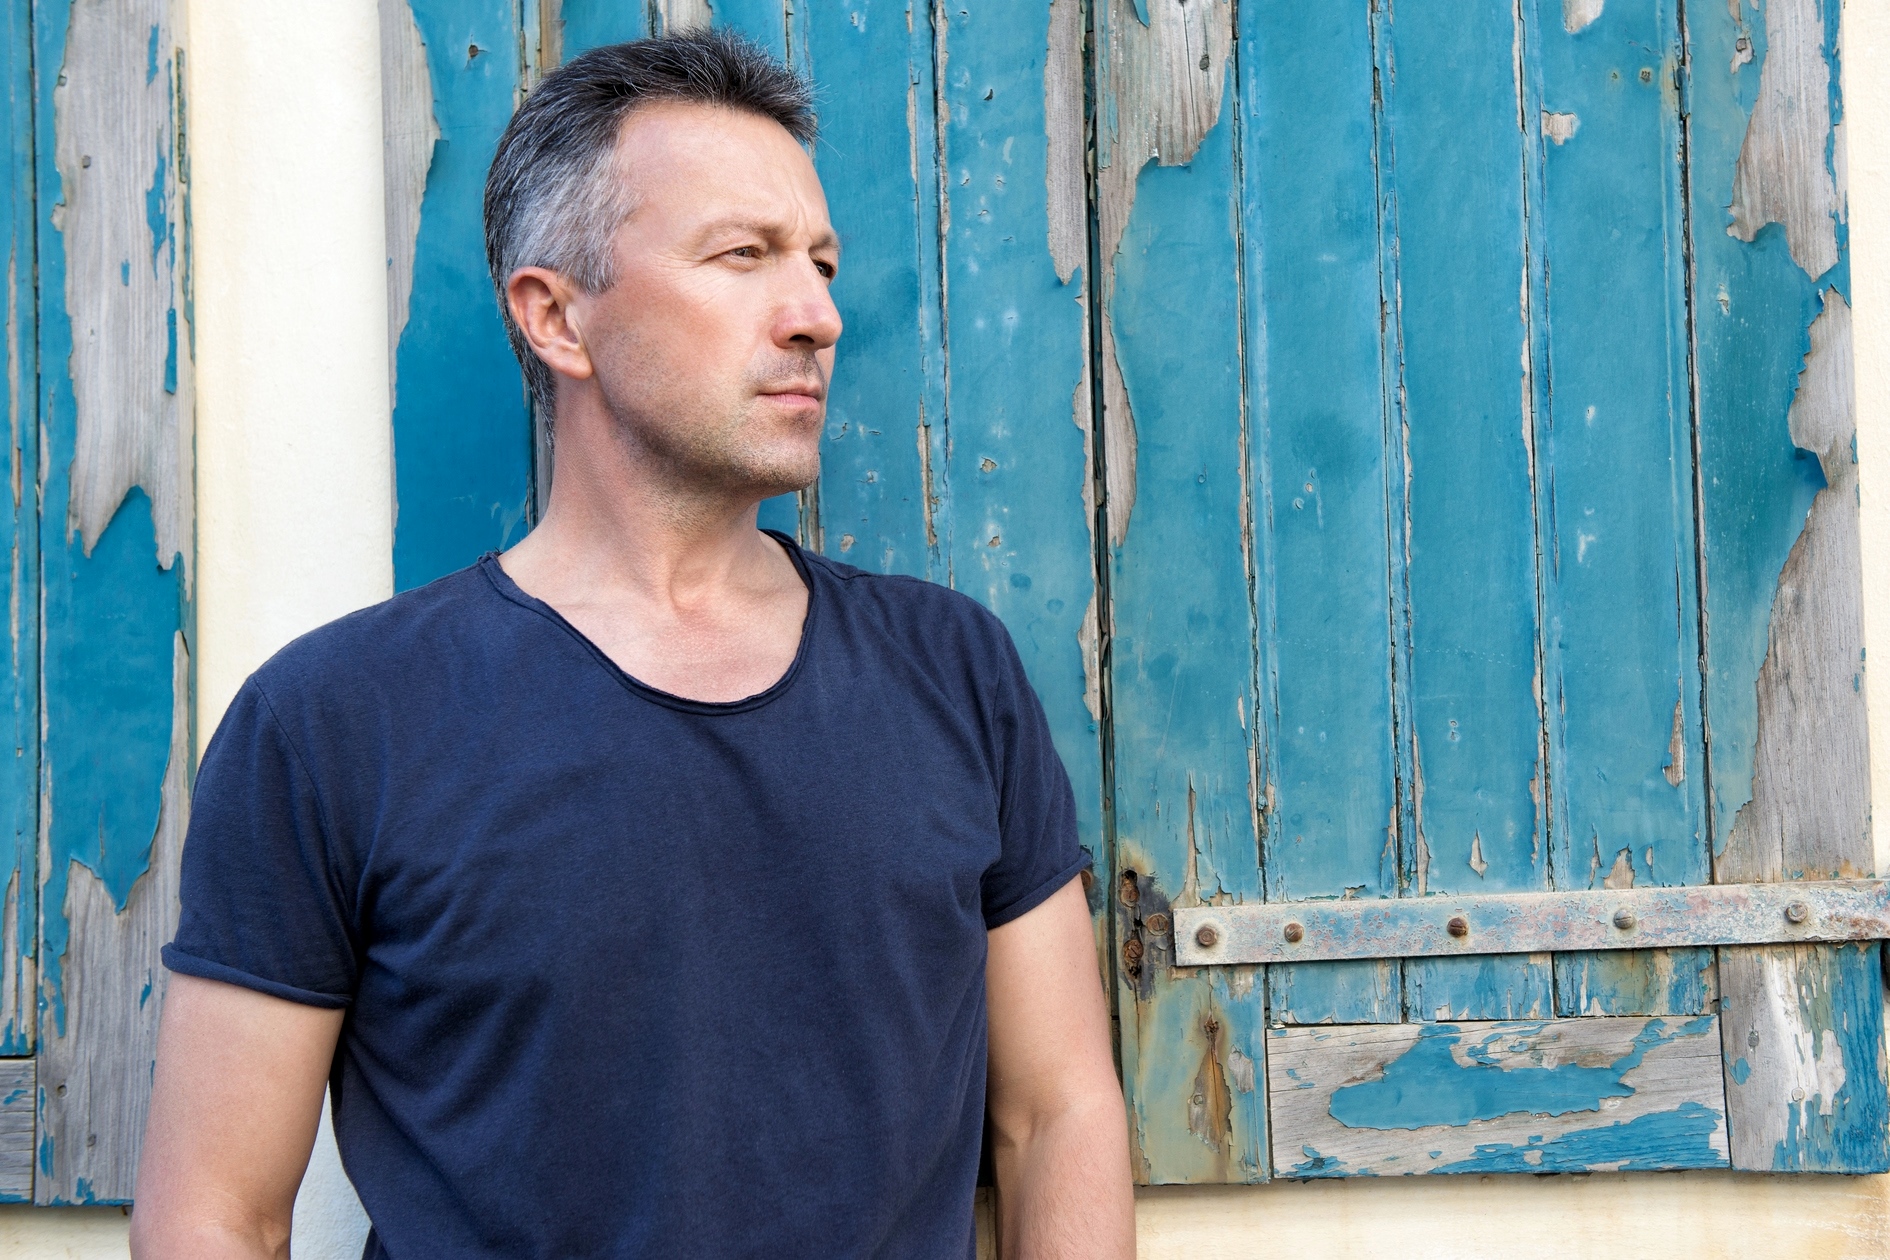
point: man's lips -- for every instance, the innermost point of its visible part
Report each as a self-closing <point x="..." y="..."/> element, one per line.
<point x="795" y="394"/>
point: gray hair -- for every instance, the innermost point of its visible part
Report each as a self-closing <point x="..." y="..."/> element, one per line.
<point x="554" y="195"/>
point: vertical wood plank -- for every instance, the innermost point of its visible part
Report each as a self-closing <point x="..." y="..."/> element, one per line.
<point x="1183" y="634"/>
<point x="462" y="430"/>
<point x="1317" y="418"/>
<point x="115" y="402"/>
<point x="1616" y="491"/>
<point x="19" y="533"/>
<point x="17" y="1114"/>
<point x="882" y="482"/>
<point x="1014" y="453"/>
<point x="1806" y="1086"/>
<point x="1472" y="684"/>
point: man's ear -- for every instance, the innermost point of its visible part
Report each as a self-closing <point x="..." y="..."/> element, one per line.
<point x="541" y="301"/>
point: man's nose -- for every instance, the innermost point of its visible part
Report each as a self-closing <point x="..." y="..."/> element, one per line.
<point x="806" y="319"/>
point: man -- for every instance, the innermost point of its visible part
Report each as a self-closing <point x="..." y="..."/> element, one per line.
<point x="658" y="888"/>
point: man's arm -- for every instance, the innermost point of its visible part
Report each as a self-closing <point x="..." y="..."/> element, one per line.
<point x="1060" y="1136"/>
<point x="234" y="1109"/>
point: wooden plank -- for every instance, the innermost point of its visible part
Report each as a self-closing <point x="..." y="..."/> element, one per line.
<point x="1317" y="415"/>
<point x="462" y="430"/>
<point x="17" y="1111"/>
<point x="1807" y="1079"/>
<point x="1011" y="499"/>
<point x="1612" y="431"/>
<point x="1635" y="919"/>
<point x="1471" y="682"/>
<point x="19" y="535"/>
<point x="1181" y="627"/>
<point x="1566" y="1095"/>
<point x="882" y="487"/>
<point x="115" y="407"/>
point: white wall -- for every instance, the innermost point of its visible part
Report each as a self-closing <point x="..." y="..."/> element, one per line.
<point x="295" y="527"/>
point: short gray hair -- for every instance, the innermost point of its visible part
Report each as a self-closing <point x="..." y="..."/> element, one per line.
<point x="554" y="197"/>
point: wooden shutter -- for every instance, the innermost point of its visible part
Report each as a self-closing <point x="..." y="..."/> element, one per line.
<point x="93" y="800"/>
<point x="1458" y="501"/>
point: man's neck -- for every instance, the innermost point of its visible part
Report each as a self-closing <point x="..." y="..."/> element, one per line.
<point x="673" y="582"/>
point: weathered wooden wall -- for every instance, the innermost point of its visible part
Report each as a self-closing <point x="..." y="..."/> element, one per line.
<point x="1411" y="447"/>
<point x="1406" y="389"/>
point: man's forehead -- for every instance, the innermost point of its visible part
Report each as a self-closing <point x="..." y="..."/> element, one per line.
<point x="724" y="168"/>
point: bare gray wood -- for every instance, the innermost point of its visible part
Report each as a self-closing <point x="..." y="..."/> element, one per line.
<point x="16" y="1129"/>
<point x="409" y="134"/>
<point x="95" y="1068"/>
<point x="1532" y="923"/>
<point x="114" y="145"/>
<point x="1587" y="1094"/>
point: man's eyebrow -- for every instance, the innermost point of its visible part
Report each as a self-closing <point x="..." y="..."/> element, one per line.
<point x="827" y="239"/>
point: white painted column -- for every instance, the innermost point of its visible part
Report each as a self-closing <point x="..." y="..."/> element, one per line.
<point x="294" y="443"/>
<point x="294" y="446"/>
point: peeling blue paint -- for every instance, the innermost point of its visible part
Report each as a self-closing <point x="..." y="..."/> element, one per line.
<point x="1680" y="1138"/>
<point x="1427" y="1085"/>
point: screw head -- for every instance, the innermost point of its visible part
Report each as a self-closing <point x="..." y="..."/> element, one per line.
<point x="1157" y="924"/>
<point x="1797" y="912"/>
<point x="1458" y="926"/>
<point x="1207" y="936"/>
<point x="1130" y="892"/>
<point x="1624" y="919"/>
<point x="1132" y="950"/>
<point x="1294" y="934"/>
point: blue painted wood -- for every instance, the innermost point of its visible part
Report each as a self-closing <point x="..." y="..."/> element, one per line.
<point x="1615" y="506"/>
<point x="1755" y="301"/>
<point x="1470" y="679"/>
<point x="115" y="614"/>
<point x="1011" y="456"/>
<point x="19" y="534"/>
<point x="462" y="433"/>
<point x="1183" y="648"/>
<point x="1317" y="416"/>
<point x="883" y="464"/>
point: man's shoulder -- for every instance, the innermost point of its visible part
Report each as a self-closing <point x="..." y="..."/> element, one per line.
<point x="375" y="646"/>
<point x="933" y="618"/>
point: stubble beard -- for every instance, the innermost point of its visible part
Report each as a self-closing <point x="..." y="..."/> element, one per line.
<point x="736" y="449"/>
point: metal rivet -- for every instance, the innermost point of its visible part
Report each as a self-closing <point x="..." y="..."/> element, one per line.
<point x="1295" y="933"/>
<point x="1132" y="950"/>
<point x="1624" y="919"/>
<point x="1131" y="893"/>
<point x="1797" y="912"/>
<point x="1206" y="936"/>
<point x="1458" y="926"/>
<point x="1157" y="924"/>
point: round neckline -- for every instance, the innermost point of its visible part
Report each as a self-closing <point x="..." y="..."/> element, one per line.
<point x="508" y="589"/>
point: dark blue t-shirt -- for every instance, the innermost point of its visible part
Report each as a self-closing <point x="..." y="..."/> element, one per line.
<point x="628" y="975"/>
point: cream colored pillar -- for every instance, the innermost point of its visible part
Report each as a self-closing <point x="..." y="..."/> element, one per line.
<point x="294" y="444"/>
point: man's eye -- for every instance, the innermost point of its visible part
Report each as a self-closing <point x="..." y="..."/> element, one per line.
<point x="746" y="251"/>
<point x="826" y="269"/>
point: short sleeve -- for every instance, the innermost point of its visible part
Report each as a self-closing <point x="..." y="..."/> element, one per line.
<point x="1036" y="808"/>
<point x="264" y="906"/>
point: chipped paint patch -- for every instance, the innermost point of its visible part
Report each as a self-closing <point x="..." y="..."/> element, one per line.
<point x="1579" y="14"/>
<point x="95" y="1064"/>
<point x="113" y="129"/>
<point x="1554" y="1095"/>
<point x="1560" y="128"/>
<point x="1162" y="76"/>
<point x="410" y="132"/>
<point x="1783" y="174"/>
<point x="1809" y="813"/>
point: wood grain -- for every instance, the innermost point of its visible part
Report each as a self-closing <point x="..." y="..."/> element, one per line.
<point x="1569" y="1095"/>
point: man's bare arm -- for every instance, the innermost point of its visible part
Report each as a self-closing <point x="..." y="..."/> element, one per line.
<point x="234" y="1109"/>
<point x="1060" y="1136"/>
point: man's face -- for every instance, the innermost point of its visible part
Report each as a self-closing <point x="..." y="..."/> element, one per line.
<point x="714" y="348"/>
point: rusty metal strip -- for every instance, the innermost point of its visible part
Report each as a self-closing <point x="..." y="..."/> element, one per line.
<point x="1534" y="923"/>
